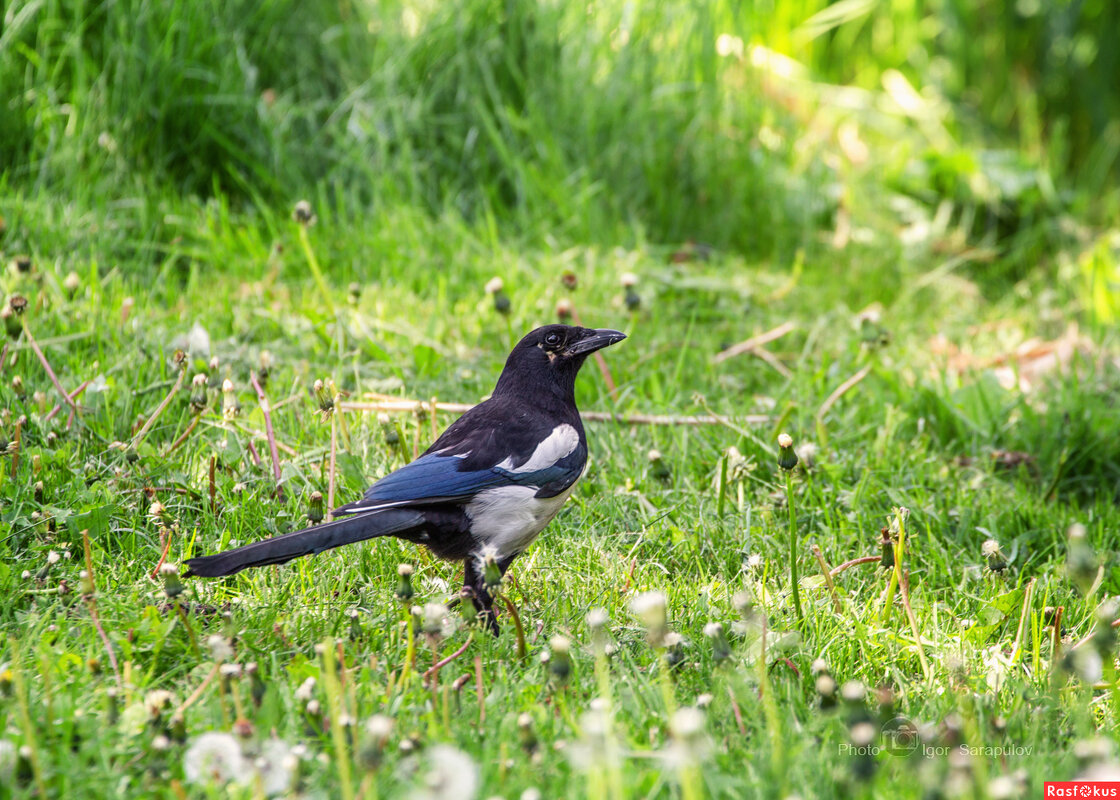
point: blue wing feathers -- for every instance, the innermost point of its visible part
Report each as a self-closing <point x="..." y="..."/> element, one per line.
<point x="439" y="478"/>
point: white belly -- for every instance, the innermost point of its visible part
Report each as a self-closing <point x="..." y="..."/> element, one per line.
<point x="508" y="518"/>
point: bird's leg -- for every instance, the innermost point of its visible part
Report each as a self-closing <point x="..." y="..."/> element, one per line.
<point x="473" y="580"/>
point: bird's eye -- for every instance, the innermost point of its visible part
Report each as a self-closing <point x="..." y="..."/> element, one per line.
<point x="552" y="339"/>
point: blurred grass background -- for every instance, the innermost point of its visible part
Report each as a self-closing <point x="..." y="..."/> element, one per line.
<point x="743" y="125"/>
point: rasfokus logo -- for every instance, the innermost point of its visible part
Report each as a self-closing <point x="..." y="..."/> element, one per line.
<point x="1081" y="789"/>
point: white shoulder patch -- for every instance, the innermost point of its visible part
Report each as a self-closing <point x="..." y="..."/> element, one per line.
<point x="557" y="445"/>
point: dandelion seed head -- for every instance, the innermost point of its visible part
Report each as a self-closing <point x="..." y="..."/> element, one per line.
<point x="306" y="690"/>
<point x="215" y="758"/>
<point x="649" y="608"/>
<point x="276" y="765"/>
<point x="450" y="775"/>
<point x="379" y="727"/>
<point x="8" y="757"/>
<point x="686" y="722"/>
<point x="853" y="691"/>
<point x="220" y="648"/>
<point x="436" y="619"/>
<point x="690" y="743"/>
<point x="157" y="700"/>
<point x="1108" y="771"/>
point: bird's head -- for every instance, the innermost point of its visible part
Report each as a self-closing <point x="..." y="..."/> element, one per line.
<point x="554" y="353"/>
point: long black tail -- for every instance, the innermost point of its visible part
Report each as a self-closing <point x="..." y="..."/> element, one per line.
<point x="308" y="541"/>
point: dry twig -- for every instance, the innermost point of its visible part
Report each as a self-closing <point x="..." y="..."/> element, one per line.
<point x="47" y="366"/>
<point x="398" y="406"/>
<point x="841" y="390"/>
<point x="754" y="343"/>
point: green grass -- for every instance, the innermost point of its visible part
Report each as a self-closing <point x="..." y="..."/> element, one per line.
<point x="896" y="439"/>
<point x="528" y="141"/>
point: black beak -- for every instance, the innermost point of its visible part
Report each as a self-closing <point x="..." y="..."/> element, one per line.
<point x="595" y="340"/>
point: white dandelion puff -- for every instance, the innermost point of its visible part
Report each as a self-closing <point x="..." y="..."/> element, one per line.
<point x="306" y="690"/>
<point x="451" y="775"/>
<point x="7" y="760"/>
<point x="275" y="765"/>
<point x="215" y="758"/>
<point x="220" y="648"/>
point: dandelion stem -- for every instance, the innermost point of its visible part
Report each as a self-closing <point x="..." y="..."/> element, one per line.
<point x="603" y="677"/>
<point x="15" y="453"/>
<point x="665" y="681"/>
<point x="793" y="546"/>
<point x="721" y="495"/>
<point x="91" y="601"/>
<point x="1056" y="641"/>
<point x="737" y="712"/>
<point x="331" y="468"/>
<point x="770" y="708"/>
<point x="313" y="263"/>
<point x="690" y="782"/>
<point x="187" y="624"/>
<point x="479" y="691"/>
<point x="896" y="574"/>
<point x="410" y="647"/>
<point x="338" y="732"/>
<point x="522" y="650"/>
<point x="827" y="573"/>
<point x="25" y="716"/>
<point x="904" y="590"/>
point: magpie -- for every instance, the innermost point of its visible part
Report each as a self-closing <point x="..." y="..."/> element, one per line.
<point x="484" y="489"/>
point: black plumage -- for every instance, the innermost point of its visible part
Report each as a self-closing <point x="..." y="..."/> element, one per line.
<point x="485" y="488"/>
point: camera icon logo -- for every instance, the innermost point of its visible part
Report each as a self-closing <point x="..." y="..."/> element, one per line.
<point x="900" y="737"/>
